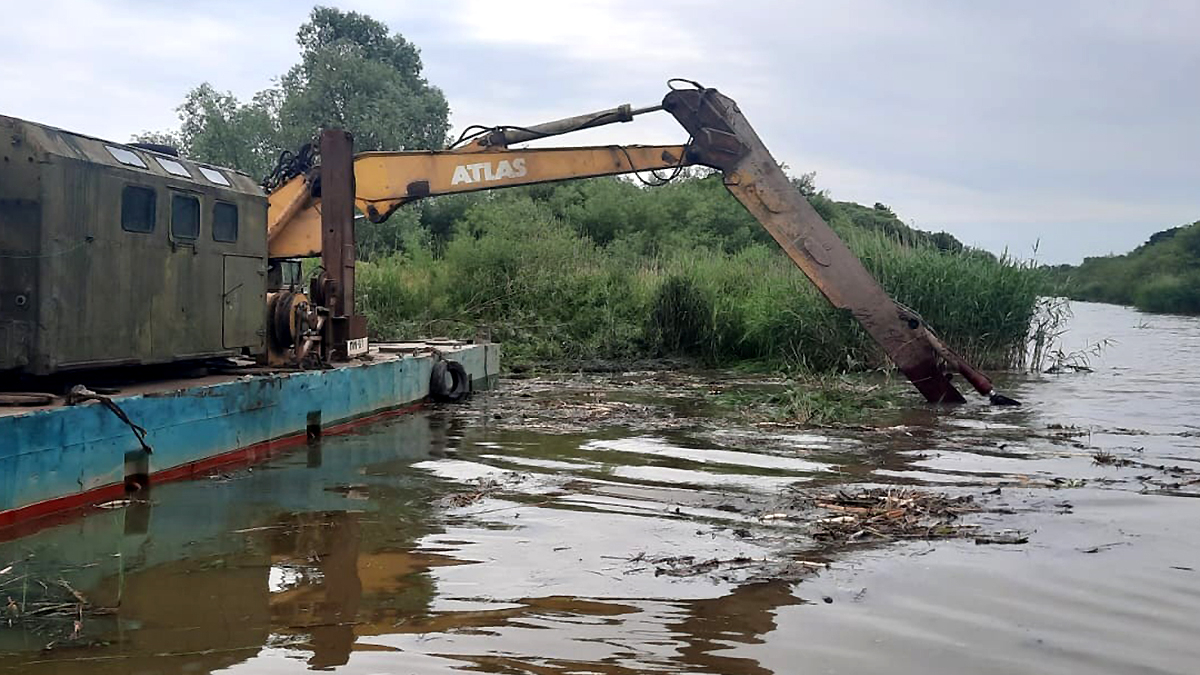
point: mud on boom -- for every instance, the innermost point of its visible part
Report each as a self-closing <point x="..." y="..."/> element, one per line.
<point x="311" y="211"/>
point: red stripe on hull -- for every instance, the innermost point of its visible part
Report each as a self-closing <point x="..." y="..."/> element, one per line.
<point x="23" y="521"/>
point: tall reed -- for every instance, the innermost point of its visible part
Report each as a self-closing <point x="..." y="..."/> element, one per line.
<point x="552" y="294"/>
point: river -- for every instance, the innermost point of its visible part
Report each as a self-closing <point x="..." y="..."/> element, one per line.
<point x="610" y="525"/>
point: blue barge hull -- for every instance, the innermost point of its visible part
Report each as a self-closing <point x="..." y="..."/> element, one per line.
<point x="57" y="458"/>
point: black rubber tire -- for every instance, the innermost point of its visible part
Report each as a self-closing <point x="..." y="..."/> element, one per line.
<point x="460" y="382"/>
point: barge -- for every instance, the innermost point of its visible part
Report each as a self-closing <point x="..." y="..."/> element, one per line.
<point x="58" y="457"/>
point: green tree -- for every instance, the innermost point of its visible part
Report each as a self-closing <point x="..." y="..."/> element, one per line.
<point x="806" y="183"/>
<point x="353" y="73"/>
<point x="217" y="128"/>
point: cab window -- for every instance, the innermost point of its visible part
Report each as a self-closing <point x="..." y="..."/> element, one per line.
<point x="214" y="176"/>
<point x="137" y="208"/>
<point x="225" y="222"/>
<point x="126" y="157"/>
<point x="185" y="216"/>
<point x="172" y="167"/>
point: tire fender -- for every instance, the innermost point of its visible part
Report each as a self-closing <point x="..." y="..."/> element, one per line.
<point x="449" y="382"/>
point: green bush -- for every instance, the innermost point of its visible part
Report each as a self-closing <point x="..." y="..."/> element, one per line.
<point x="1161" y="275"/>
<point x="1169" y="293"/>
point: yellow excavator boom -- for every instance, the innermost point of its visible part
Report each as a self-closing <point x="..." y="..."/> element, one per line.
<point x="385" y="181"/>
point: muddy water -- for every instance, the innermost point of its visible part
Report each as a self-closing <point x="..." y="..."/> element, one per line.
<point x="547" y="529"/>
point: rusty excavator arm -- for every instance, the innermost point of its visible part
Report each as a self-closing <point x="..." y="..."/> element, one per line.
<point x="311" y="213"/>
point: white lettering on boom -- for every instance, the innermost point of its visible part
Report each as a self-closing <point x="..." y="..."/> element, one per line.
<point x="486" y="172"/>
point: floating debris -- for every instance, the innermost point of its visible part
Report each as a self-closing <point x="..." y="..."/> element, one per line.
<point x="888" y="514"/>
<point x="688" y="566"/>
<point x="460" y="499"/>
<point x="1005" y="537"/>
<point x="49" y="608"/>
<point x="1103" y="458"/>
<point x="483" y="488"/>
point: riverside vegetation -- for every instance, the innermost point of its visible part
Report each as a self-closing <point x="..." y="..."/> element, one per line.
<point x="1161" y="275"/>
<point x="606" y="270"/>
<point x="601" y="269"/>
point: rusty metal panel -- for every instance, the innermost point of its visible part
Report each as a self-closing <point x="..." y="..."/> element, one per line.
<point x="724" y="140"/>
<point x="245" y="303"/>
<point x="337" y="239"/>
<point x="337" y="217"/>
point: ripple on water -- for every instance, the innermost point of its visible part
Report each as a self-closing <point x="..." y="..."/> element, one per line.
<point x="734" y="459"/>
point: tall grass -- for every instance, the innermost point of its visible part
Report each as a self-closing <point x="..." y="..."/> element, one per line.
<point x="552" y="294"/>
<point x="980" y="304"/>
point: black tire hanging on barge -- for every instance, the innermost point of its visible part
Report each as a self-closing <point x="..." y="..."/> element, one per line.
<point x="454" y="391"/>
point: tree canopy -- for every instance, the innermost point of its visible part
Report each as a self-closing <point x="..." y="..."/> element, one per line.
<point x="353" y="73"/>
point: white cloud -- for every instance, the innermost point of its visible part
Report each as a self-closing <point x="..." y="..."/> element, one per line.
<point x="114" y="68"/>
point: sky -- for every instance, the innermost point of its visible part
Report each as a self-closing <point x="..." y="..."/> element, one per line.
<point x="1049" y="129"/>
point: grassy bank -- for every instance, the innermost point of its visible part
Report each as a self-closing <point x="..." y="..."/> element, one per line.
<point x="1161" y="275"/>
<point x="606" y="270"/>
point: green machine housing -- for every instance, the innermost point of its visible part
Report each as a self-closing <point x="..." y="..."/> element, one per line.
<point x="114" y="254"/>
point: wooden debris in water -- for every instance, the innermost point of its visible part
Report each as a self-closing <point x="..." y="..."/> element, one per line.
<point x="485" y="488"/>
<point x="688" y="566"/>
<point x="1005" y="537"/>
<point x="892" y="514"/>
<point x="44" y="607"/>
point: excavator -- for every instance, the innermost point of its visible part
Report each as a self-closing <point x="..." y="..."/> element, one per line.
<point x="313" y="195"/>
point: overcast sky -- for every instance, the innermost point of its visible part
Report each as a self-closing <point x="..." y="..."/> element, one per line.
<point x="1072" y="123"/>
